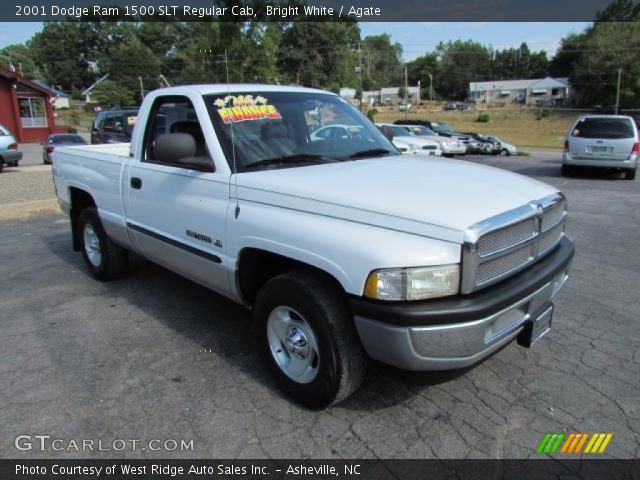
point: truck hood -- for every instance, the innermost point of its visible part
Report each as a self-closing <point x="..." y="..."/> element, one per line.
<point x="434" y="197"/>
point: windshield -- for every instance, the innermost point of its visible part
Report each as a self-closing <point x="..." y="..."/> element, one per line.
<point x="604" y="128"/>
<point x="292" y="129"/>
<point x="420" y="130"/>
<point x="441" y="127"/>
<point x="67" y="139"/>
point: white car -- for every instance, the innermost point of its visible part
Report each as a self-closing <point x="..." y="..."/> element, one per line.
<point x="337" y="131"/>
<point x="344" y="250"/>
<point x="450" y="146"/>
<point x="506" y="149"/>
<point x="415" y="145"/>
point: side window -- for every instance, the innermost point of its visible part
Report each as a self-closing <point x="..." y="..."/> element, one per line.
<point x="113" y="124"/>
<point x="175" y="115"/>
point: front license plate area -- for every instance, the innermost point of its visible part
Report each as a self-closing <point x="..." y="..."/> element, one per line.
<point x="537" y="328"/>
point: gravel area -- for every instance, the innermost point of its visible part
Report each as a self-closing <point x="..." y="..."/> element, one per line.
<point x="26" y="184"/>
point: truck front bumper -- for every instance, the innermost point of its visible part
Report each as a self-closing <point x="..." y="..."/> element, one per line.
<point x="456" y="332"/>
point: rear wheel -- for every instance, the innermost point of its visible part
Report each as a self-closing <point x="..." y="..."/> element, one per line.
<point x="307" y="334"/>
<point x="105" y="259"/>
<point x="630" y="174"/>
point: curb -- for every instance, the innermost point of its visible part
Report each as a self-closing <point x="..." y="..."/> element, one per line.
<point x="14" y="211"/>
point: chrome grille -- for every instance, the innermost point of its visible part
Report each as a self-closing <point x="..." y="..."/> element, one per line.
<point x="500" y="266"/>
<point x="505" y="244"/>
<point x="553" y="215"/>
<point x="507" y="237"/>
<point x="550" y="238"/>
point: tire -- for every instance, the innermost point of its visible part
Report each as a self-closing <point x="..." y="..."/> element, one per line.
<point x="105" y="260"/>
<point x="630" y="174"/>
<point x="1" y="165"/>
<point x="566" y="170"/>
<point x="505" y="153"/>
<point x="334" y="363"/>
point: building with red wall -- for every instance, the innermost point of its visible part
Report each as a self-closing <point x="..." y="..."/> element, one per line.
<point x="25" y="107"/>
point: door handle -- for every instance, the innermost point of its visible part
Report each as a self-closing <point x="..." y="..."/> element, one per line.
<point x="136" y="183"/>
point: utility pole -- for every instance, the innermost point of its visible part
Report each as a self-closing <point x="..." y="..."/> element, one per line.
<point x="430" y="90"/>
<point x="360" y="74"/>
<point x="618" y="91"/>
<point x="406" y="92"/>
<point x="141" y="89"/>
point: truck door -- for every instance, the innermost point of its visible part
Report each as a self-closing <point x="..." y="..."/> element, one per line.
<point x="175" y="213"/>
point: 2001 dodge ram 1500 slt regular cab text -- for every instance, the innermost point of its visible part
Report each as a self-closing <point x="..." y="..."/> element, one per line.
<point x="343" y="248"/>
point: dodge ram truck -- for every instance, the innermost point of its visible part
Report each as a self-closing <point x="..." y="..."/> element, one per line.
<point x="344" y="249"/>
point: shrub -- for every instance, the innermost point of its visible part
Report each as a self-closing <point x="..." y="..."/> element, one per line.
<point x="372" y="113"/>
<point x="72" y="130"/>
<point x="483" y="117"/>
<point x="542" y="113"/>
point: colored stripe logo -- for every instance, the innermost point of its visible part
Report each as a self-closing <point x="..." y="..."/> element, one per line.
<point x="573" y="443"/>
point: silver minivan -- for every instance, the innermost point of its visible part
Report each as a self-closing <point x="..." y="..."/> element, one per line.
<point x="602" y="141"/>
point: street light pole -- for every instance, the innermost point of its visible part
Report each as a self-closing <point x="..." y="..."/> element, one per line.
<point x="618" y="91"/>
<point x="430" y="91"/>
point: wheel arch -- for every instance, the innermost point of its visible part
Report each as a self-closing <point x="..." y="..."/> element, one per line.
<point x="79" y="200"/>
<point x="256" y="266"/>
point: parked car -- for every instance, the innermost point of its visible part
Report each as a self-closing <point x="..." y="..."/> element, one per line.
<point x="441" y="128"/>
<point x="463" y="107"/>
<point x="10" y="156"/>
<point x="416" y="145"/>
<point x="450" y="106"/>
<point x="602" y="141"/>
<point x="448" y="145"/>
<point x="404" y="107"/>
<point x="487" y="145"/>
<point x="344" y="250"/>
<point x="506" y="149"/>
<point x="337" y="131"/>
<point x="59" y="140"/>
<point x="114" y="126"/>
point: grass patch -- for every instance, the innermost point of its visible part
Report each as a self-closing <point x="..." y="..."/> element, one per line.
<point x="520" y="128"/>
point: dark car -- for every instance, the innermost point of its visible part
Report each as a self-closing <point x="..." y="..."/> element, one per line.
<point x="59" y="140"/>
<point x="488" y="146"/>
<point x="441" y="128"/>
<point x="114" y="126"/>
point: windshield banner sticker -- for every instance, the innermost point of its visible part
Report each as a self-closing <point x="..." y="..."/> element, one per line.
<point x="244" y="107"/>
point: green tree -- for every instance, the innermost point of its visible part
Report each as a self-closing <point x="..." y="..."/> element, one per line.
<point x="460" y="63"/>
<point x="21" y="57"/>
<point x="381" y="62"/>
<point x="420" y="69"/>
<point x="130" y="63"/>
<point x="608" y="47"/>
<point x="65" y="51"/>
<point x="620" y="11"/>
<point x="317" y="54"/>
<point x="111" y="94"/>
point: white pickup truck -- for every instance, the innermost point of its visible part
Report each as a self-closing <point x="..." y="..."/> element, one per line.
<point x="344" y="249"/>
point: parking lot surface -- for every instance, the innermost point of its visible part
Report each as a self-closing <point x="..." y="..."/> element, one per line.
<point x="154" y="356"/>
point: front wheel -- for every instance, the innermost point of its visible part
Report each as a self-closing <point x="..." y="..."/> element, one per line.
<point x="309" y="339"/>
<point x="504" y="152"/>
<point x="105" y="259"/>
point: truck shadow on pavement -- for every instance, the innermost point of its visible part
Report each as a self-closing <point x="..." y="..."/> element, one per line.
<point x="220" y="327"/>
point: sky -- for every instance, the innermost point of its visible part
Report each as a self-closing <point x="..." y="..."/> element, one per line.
<point x="415" y="38"/>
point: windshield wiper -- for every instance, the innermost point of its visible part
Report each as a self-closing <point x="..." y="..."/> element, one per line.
<point x="298" y="158"/>
<point x="373" y="152"/>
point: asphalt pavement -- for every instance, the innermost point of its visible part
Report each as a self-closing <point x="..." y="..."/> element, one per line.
<point x="155" y="356"/>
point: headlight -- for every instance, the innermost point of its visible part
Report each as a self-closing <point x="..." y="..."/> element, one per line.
<point x="413" y="283"/>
